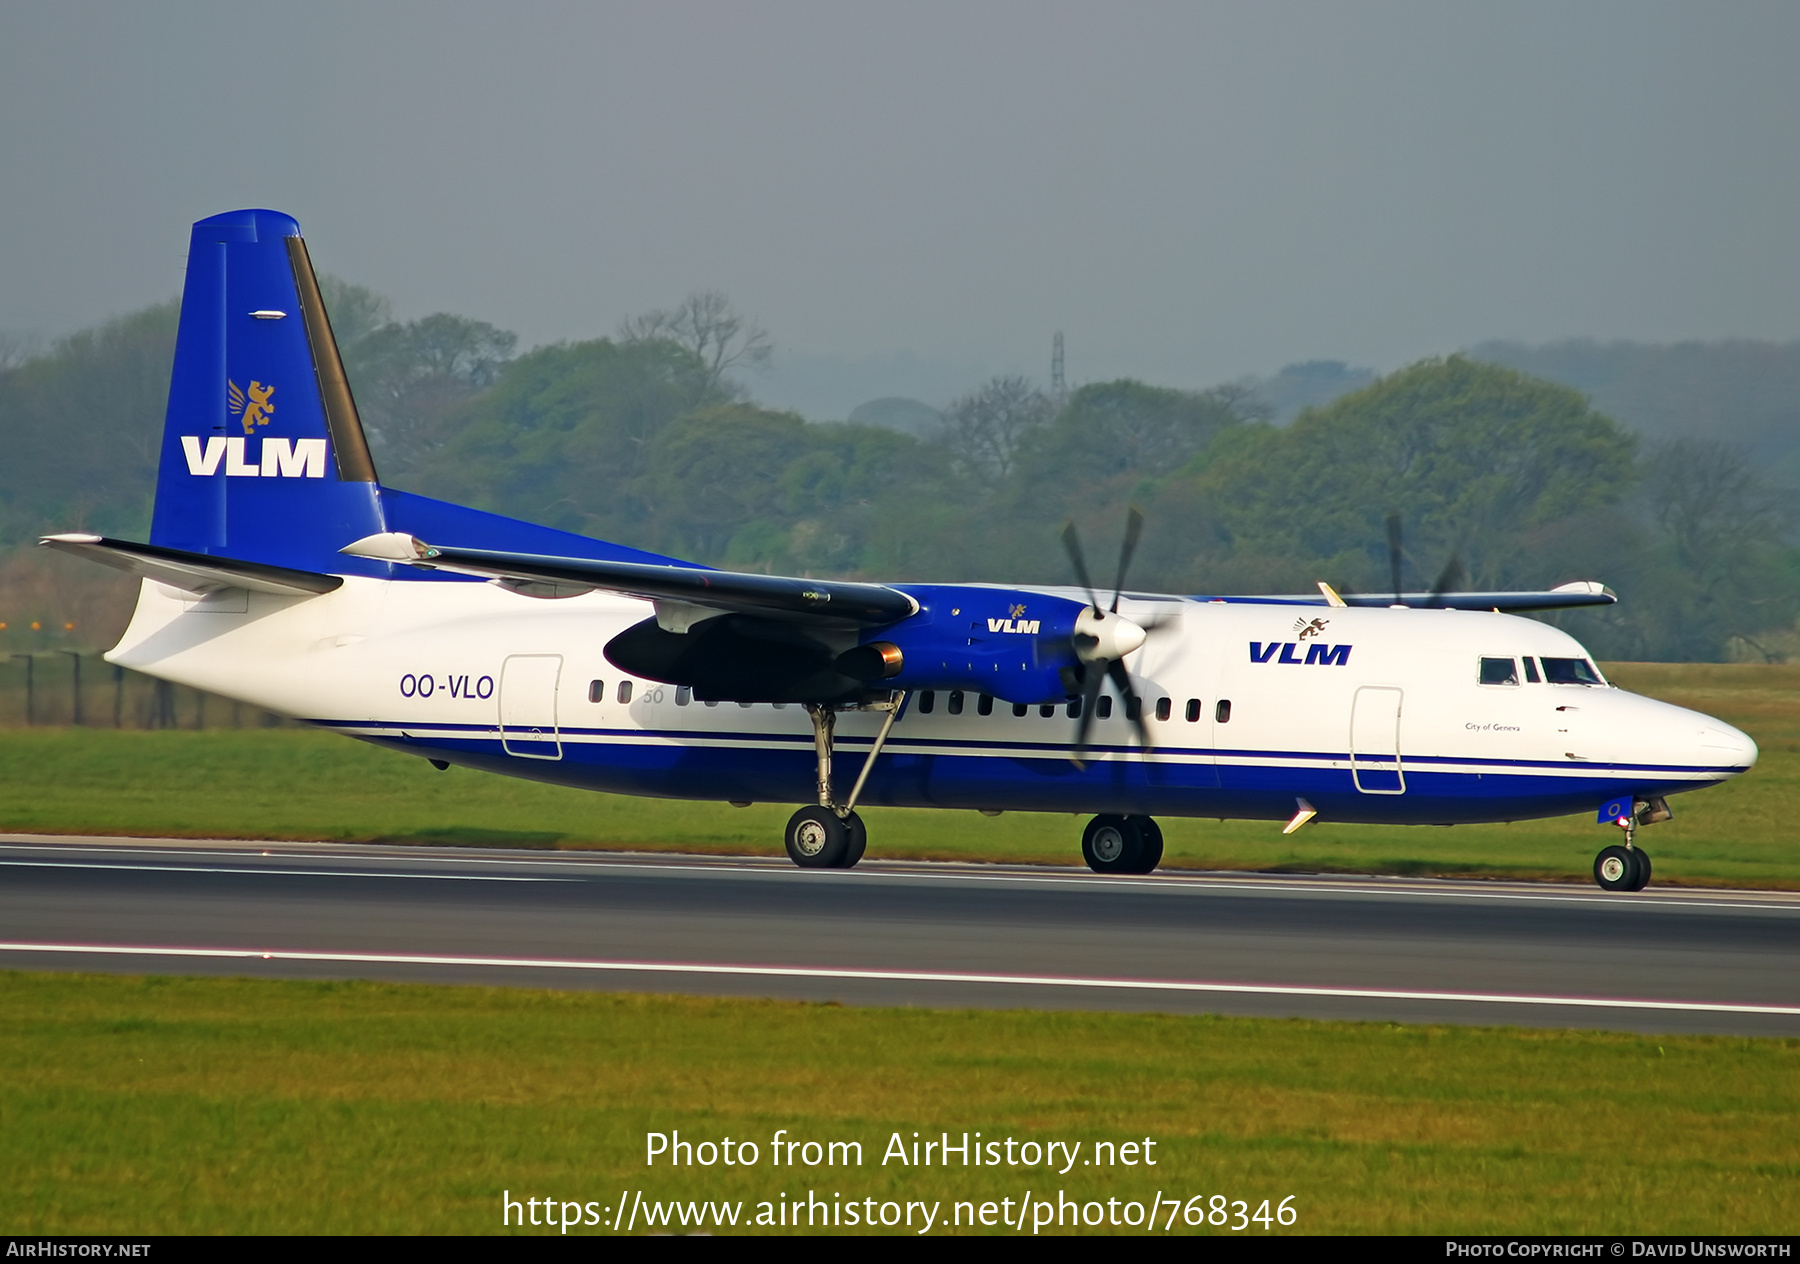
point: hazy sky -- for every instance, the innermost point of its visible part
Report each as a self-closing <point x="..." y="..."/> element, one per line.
<point x="1190" y="191"/>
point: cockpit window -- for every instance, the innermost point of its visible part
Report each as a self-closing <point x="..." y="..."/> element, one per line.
<point x="1570" y="671"/>
<point x="1499" y="671"/>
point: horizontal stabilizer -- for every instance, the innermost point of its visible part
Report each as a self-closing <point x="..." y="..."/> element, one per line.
<point x="677" y="590"/>
<point x="1584" y="592"/>
<point x="198" y="573"/>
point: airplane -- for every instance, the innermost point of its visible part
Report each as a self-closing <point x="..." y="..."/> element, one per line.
<point x="281" y="572"/>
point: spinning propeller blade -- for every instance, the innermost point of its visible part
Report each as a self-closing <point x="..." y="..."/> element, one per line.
<point x="1090" y="694"/>
<point x="1448" y="580"/>
<point x="1134" y="527"/>
<point x="1393" y="526"/>
<point x="1072" y="546"/>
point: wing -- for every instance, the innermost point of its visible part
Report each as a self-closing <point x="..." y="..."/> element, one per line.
<point x="684" y="595"/>
<point x="1584" y="592"/>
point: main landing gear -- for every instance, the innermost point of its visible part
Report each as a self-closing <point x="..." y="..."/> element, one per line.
<point x="1122" y="844"/>
<point x="832" y="836"/>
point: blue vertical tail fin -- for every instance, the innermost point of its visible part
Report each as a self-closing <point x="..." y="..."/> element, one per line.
<point x="263" y="455"/>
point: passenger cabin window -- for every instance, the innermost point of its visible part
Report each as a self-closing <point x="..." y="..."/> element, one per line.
<point x="1499" y="671"/>
<point x="1019" y="708"/>
<point x="596" y="691"/>
<point x="986" y="705"/>
<point x="624" y="691"/>
<point x="1193" y="711"/>
<point x="1134" y="707"/>
<point x="1074" y="708"/>
<point x="1103" y="708"/>
<point x="956" y="701"/>
<point x="1531" y="672"/>
<point x="1222" y="712"/>
<point x="684" y="694"/>
<point x="1047" y="710"/>
<point x="1163" y="706"/>
<point x="927" y="700"/>
<point x="1571" y="671"/>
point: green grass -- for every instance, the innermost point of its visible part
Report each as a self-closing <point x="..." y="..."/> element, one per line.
<point x="283" y="783"/>
<point x="164" y="1105"/>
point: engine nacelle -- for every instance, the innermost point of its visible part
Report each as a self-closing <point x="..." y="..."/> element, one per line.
<point x="1017" y="646"/>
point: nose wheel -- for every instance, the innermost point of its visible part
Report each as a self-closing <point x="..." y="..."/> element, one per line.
<point x="1122" y="844"/>
<point x="1622" y="868"/>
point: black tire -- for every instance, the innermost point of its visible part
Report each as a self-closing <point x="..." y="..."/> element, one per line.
<point x="1153" y="844"/>
<point x="1112" y="844"/>
<point x="816" y="838"/>
<point x="1641" y="860"/>
<point x="1615" y="869"/>
<point x="857" y="842"/>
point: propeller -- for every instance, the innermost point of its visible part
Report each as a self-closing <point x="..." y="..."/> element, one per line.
<point x="1448" y="580"/>
<point x="1103" y="638"/>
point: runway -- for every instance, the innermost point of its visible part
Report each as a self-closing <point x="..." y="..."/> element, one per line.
<point x="905" y="933"/>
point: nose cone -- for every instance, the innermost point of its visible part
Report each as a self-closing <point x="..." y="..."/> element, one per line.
<point x="1720" y="744"/>
<point x="1105" y="636"/>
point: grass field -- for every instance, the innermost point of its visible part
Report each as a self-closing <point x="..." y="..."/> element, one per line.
<point x="285" y="783"/>
<point x="238" y="1106"/>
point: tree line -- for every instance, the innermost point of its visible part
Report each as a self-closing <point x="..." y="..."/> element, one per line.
<point x="649" y="437"/>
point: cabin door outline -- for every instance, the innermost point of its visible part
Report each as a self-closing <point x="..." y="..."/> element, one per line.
<point x="1375" y="763"/>
<point x="528" y="723"/>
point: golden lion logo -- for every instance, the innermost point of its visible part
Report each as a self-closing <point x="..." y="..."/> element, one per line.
<point x="1314" y="628"/>
<point x="256" y="410"/>
<point x="1013" y="612"/>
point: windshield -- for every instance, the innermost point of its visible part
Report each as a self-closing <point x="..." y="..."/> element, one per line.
<point x="1570" y="671"/>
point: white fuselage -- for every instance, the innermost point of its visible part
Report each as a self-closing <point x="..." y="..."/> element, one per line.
<point x="1395" y="727"/>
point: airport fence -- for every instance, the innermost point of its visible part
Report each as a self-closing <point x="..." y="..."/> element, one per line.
<point x="72" y="687"/>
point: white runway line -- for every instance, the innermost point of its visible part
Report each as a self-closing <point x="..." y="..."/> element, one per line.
<point x="899" y="976"/>
<point x="286" y="873"/>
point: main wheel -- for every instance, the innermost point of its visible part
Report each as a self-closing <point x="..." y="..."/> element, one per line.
<point x="856" y="843"/>
<point x="1642" y="860"/>
<point x="1113" y="844"/>
<point x="816" y="838"/>
<point x="1615" y="869"/>
<point x="1153" y="844"/>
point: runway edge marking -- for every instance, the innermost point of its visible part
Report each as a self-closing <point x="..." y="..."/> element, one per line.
<point x="899" y="976"/>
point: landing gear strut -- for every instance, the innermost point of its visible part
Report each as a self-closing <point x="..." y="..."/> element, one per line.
<point x="832" y="836"/>
<point x="1122" y="844"/>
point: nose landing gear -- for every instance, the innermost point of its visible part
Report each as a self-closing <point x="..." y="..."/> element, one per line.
<point x="1622" y="868"/>
<point x="1627" y="868"/>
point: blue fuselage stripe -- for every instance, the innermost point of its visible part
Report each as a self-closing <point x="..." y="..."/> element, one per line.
<point x="990" y="748"/>
<point x="936" y="772"/>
